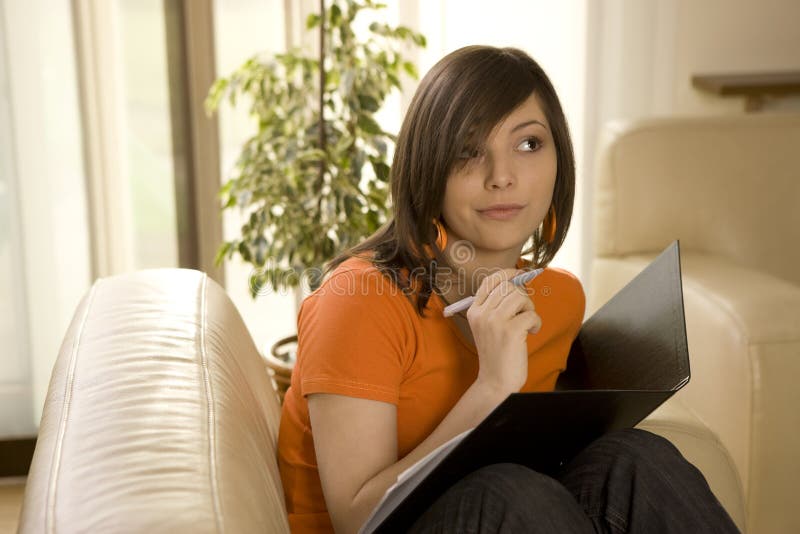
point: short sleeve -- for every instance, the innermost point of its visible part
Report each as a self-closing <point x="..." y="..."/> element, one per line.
<point x="560" y="302"/>
<point x="354" y="336"/>
<point x="572" y="301"/>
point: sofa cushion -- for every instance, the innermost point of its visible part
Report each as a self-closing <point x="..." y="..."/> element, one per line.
<point x="159" y="416"/>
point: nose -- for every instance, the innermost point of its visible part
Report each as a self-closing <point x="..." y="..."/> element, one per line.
<point x="500" y="173"/>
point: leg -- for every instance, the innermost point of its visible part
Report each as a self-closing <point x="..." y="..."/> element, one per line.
<point x="504" y="498"/>
<point x="634" y="481"/>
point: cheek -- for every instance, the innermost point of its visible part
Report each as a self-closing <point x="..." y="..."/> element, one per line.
<point x="550" y="184"/>
<point x="547" y="178"/>
<point x="456" y="197"/>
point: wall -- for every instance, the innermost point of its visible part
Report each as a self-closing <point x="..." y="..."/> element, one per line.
<point x="732" y="36"/>
<point x="642" y="54"/>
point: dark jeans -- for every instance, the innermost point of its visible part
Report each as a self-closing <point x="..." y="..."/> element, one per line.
<point x="626" y="481"/>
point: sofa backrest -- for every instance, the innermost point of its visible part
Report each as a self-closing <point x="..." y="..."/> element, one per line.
<point x="722" y="185"/>
<point x="160" y="416"/>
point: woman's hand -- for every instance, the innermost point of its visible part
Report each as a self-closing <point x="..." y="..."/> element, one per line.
<point x="500" y="319"/>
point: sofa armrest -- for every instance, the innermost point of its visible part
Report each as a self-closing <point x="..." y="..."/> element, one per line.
<point x="743" y="329"/>
<point x="674" y="421"/>
<point x="159" y="417"/>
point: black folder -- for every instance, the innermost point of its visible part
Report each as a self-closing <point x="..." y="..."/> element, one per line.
<point x="627" y="359"/>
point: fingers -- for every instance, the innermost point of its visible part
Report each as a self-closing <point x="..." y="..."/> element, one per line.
<point x="520" y="312"/>
<point x="508" y="299"/>
<point x="492" y="281"/>
<point x="537" y="324"/>
<point x="504" y="293"/>
<point x="502" y="299"/>
<point x="528" y="321"/>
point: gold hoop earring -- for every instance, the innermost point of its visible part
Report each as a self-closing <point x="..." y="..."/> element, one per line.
<point x="441" y="234"/>
<point x="549" y="225"/>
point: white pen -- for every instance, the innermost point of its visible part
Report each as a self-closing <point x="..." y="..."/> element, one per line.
<point x="463" y="304"/>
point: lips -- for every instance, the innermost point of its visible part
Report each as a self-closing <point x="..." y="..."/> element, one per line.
<point x="501" y="211"/>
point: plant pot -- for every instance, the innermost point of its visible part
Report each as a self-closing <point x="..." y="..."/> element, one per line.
<point x="280" y="362"/>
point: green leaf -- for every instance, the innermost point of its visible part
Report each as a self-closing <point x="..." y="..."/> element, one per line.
<point x="381" y="170"/>
<point x="221" y="252"/>
<point x="336" y="14"/>
<point x="368" y="103"/>
<point x="380" y="146"/>
<point x="244" y="251"/>
<point x="373" y="222"/>
<point x="349" y="206"/>
<point x="312" y="21"/>
<point x="380" y="29"/>
<point x="257" y="281"/>
<point x="410" y="69"/>
<point x="344" y="143"/>
<point x="402" y="32"/>
<point x="368" y="124"/>
<point x="215" y="94"/>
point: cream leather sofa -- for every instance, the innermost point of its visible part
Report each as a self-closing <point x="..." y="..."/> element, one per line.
<point x="729" y="189"/>
<point x="160" y="418"/>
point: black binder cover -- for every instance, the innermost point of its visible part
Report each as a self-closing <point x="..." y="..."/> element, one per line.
<point x="627" y="359"/>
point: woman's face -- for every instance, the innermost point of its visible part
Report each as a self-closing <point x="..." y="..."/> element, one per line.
<point x="501" y="195"/>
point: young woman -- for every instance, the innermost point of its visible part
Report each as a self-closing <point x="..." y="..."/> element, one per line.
<point x="483" y="175"/>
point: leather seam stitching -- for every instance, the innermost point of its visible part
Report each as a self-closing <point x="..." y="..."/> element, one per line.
<point x="65" y="409"/>
<point x="211" y="418"/>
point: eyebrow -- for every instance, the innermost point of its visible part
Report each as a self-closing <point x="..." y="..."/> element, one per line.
<point x="528" y="123"/>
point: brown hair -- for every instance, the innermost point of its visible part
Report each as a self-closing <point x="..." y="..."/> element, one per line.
<point x="457" y="104"/>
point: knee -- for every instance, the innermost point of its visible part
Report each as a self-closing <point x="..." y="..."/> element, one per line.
<point x="508" y="477"/>
<point x="638" y="448"/>
<point x="520" y="488"/>
<point x="638" y="444"/>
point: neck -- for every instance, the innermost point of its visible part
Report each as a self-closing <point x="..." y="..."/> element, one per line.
<point x="467" y="276"/>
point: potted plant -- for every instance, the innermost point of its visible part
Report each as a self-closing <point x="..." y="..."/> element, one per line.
<point x="313" y="179"/>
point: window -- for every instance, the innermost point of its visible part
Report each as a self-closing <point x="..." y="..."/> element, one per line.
<point x="44" y="243"/>
<point x="145" y="134"/>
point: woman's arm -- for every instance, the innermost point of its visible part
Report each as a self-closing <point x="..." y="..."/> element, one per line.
<point x="355" y="440"/>
<point x="356" y="446"/>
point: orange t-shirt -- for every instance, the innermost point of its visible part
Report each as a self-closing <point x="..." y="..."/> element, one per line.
<point x="360" y="336"/>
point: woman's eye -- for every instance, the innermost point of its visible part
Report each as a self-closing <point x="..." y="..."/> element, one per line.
<point x="531" y="144"/>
